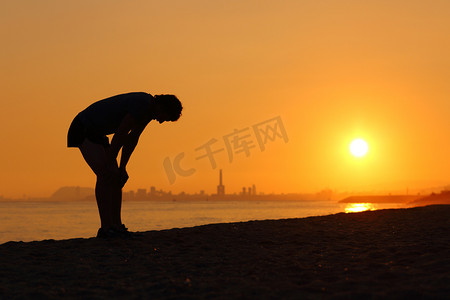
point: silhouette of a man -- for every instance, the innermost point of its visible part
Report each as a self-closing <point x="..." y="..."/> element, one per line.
<point x="125" y="116"/>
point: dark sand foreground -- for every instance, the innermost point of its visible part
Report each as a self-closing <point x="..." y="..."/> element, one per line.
<point x="371" y="255"/>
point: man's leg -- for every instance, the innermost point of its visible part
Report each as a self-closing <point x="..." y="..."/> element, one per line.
<point x="106" y="185"/>
<point x="117" y="206"/>
<point x="103" y="196"/>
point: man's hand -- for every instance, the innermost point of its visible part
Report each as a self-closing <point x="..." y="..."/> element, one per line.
<point x="123" y="177"/>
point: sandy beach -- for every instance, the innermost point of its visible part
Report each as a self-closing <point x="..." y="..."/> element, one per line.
<point x="398" y="253"/>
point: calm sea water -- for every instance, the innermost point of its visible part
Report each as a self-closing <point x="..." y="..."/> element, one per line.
<point x="30" y="221"/>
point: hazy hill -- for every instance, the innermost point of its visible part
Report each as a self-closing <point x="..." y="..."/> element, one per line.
<point x="441" y="198"/>
<point x="381" y="199"/>
<point x="71" y="193"/>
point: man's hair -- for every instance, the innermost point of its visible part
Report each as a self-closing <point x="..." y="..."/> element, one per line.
<point x="171" y="105"/>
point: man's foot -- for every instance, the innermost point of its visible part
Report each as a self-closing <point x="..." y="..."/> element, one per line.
<point x="121" y="232"/>
<point x="106" y="233"/>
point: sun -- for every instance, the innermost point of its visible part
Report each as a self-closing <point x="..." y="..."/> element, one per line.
<point x="359" y="147"/>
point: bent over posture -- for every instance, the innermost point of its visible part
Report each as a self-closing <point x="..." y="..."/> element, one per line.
<point x="125" y="116"/>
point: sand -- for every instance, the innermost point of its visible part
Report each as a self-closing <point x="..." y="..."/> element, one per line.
<point x="400" y="253"/>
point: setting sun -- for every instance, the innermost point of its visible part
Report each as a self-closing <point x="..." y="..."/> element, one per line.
<point x="359" y="148"/>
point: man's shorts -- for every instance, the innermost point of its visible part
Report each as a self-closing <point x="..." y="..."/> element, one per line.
<point x="78" y="132"/>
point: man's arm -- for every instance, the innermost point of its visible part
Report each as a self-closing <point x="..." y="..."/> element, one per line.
<point x="126" y="137"/>
<point x="121" y="135"/>
<point x="129" y="145"/>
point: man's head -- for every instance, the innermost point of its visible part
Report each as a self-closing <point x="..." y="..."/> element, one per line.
<point x="168" y="108"/>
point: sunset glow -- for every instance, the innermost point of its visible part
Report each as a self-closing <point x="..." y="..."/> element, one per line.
<point x="331" y="71"/>
<point x="359" y="207"/>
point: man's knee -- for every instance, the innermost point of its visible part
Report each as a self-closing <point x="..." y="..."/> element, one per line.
<point x="109" y="176"/>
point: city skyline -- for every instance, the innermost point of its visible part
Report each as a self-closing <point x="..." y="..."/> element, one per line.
<point x="74" y="193"/>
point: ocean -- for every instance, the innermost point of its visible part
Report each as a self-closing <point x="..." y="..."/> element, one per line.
<point x="34" y="221"/>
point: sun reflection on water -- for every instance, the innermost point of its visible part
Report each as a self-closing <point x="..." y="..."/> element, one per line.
<point x="359" y="207"/>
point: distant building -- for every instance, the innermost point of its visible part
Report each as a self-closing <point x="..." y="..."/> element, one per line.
<point x="152" y="191"/>
<point x="128" y="196"/>
<point x="220" y="187"/>
<point x="141" y="194"/>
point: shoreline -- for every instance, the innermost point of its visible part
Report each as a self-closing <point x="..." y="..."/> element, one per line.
<point x="393" y="253"/>
<point x="65" y="220"/>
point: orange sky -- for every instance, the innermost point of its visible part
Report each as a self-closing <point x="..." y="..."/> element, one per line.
<point x="332" y="71"/>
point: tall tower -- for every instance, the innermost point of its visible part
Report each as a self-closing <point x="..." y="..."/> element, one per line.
<point x="220" y="187"/>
